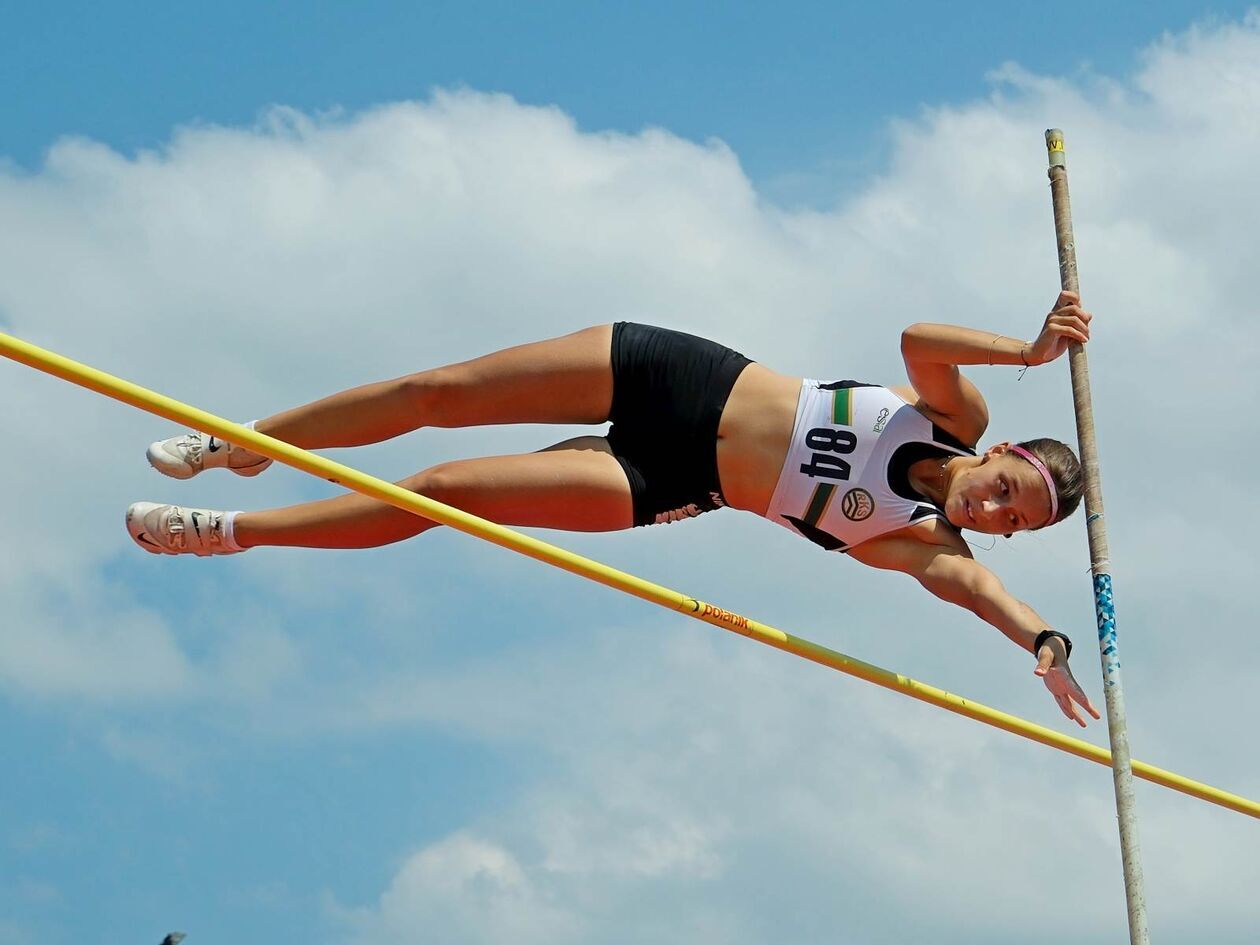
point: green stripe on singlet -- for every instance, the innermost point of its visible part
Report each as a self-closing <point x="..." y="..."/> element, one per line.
<point x="842" y="406"/>
<point x="818" y="502"/>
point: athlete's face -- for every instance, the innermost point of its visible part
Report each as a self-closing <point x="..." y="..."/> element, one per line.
<point x="1002" y="494"/>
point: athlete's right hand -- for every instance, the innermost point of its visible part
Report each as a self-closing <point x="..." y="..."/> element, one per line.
<point x="1052" y="667"/>
<point x="1066" y="323"/>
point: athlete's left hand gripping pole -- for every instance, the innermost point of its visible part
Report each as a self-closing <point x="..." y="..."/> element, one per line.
<point x="1100" y="559"/>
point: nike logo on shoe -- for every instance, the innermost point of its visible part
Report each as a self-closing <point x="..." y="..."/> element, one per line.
<point x="213" y="446"/>
<point x="196" y="526"/>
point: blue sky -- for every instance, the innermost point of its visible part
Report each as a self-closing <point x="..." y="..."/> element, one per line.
<point x="442" y="742"/>
<point x="801" y="94"/>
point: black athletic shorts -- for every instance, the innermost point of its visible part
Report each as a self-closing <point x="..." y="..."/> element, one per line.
<point x="669" y="390"/>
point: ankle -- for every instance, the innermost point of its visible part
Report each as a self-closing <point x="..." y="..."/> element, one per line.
<point x="240" y="456"/>
<point x="234" y="536"/>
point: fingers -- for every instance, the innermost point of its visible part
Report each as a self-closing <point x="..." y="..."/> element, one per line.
<point x="1069" y="304"/>
<point x="1081" y="698"/>
<point x="1072" y="311"/>
<point x="1073" y="315"/>
<point x="1072" y="332"/>
<point x="1072" y="323"/>
<point x="1069" y="709"/>
<point x="1062" y="696"/>
<point x="1063" y="686"/>
<point x="1066" y="325"/>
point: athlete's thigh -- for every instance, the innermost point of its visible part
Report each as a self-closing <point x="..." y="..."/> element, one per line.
<point x="577" y="485"/>
<point x="561" y="380"/>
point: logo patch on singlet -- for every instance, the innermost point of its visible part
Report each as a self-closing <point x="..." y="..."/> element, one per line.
<point x="857" y="504"/>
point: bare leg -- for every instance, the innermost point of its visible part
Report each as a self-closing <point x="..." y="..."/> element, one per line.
<point x="576" y="485"/>
<point x="562" y="380"/>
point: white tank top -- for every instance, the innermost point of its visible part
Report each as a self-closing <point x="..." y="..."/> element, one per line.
<point x="846" y="476"/>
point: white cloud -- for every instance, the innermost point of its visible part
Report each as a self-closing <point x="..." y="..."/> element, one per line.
<point x="467" y="890"/>
<point x="100" y="648"/>
<point x="695" y="789"/>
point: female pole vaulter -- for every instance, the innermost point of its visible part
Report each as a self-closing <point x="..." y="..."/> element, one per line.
<point x="888" y="476"/>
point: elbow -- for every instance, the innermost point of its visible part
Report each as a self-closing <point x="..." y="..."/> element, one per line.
<point x="918" y="341"/>
<point x="909" y="337"/>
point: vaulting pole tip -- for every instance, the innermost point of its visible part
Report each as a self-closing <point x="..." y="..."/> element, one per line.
<point x="1054" y="145"/>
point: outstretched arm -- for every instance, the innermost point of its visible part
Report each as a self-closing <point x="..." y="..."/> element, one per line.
<point x="954" y="576"/>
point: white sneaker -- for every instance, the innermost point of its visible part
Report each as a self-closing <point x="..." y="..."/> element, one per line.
<point x="182" y="457"/>
<point x="176" y="530"/>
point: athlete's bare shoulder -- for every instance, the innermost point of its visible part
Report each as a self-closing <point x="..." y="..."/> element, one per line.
<point x="948" y="424"/>
<point x="896" y="550"/>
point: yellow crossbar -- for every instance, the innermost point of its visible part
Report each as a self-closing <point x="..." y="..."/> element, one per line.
<point x="89" y="377"/>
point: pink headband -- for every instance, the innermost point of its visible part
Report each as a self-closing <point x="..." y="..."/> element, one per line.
<point x="1045" y="474"/>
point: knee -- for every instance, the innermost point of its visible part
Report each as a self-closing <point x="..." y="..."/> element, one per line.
<point x="445" y="483"/>
<point x="429" y="394"/>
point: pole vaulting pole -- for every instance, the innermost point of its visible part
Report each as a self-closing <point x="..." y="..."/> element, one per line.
<point x="1100" y="558"/>
<point x="128" y="393"/>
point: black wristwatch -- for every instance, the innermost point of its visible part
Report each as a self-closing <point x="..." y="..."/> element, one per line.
<point x="1045" y="635"/>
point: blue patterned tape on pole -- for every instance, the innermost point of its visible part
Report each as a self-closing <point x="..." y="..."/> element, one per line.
<point x="1104" y="602"/>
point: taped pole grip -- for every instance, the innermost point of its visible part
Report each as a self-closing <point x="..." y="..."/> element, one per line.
<point x="1100" y="562"/>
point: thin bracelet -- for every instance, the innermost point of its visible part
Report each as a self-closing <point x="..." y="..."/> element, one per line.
<point x="992" y="345"/>
<point x="1024" y="369"/>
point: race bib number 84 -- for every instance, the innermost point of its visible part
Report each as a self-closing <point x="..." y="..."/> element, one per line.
<point x="829" y="445"/>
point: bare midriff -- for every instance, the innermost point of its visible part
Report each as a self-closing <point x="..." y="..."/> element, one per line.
<point x="754" y="435"/>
